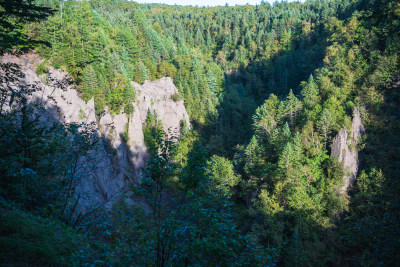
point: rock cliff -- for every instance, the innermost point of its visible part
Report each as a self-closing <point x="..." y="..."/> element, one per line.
<point x="116" y="163"/>
<point x="344" y="147"/>
<point x="155" y="97"/>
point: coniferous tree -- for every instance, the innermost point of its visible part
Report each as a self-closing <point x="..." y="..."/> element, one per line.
<point x="295" y="254"/>
<point x="211" y="81"/>
<point x="325" y="125"/>
<point x="293" y="107"/>
<point x="140" y="74"/>
<point x="90" y="85"/>
<point x="310" y="93"/>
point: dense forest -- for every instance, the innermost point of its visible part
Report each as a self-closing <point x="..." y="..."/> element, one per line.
<point x="253" y="182"/>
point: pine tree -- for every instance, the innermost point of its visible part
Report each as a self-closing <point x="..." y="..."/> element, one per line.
<point x="211" y="81"/>
<point x="90" y="85"/>
<point x="295" y="253"/>
<point x="325" y="125"/>
<point x="286" y="158"/>
<point x="253" y="157"/>
<point x="310" y="93"/>
<point x="286" y="133"/>
<point x="285" y="40"/>
<point x="222" y="175"/>
<point x="129" y="93"/>
<point x="297" y="149"/>
<point x="13" y="15"/>
<point x="126" y="39"/>
<point x="293" y="107"/>
<point x="140" y="74"/>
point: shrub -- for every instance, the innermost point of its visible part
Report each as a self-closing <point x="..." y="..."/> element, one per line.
<point x="176" y="97"/>
<point x="126" y="132"/>
<point x="42" y="68"/>
<point x="27" y="239"/>
<point x="82" y="114"/>
<point x="129" y="108"/>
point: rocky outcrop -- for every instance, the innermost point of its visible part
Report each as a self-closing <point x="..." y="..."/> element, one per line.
<point x="162" y="99"/>
<point x="344" y="147"/>
<point x="116" y="163"/>
<point x="125" y="132"/>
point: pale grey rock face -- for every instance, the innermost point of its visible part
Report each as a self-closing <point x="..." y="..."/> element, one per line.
<point x="97" y="181"/>
<point x="344" y="147"/>
<point x="157" y="97"/>
<point x="116" y="163"/>
<point x="136" y="140"/>
<point x="126" y="132"/>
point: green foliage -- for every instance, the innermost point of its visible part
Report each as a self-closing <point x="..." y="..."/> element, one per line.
<point x="124" y="42"/>
<point x="295" y="254"/>
<point x="200" y="230"/>
<point x="14" y="15"/>
<point x="27" y="239"/>
<point x="40" y="168"/>
<point x="128" y="109"/>
<point x="29" y="178"/>
<point x="82" y="114"/>
<point x="140" y="74"/>
<point x="282" y="189"/>
<point x="42" y="68"/>
<point x="325" y="125"/>
<point x="130" y="235"/>
<point x="194" y="172"/>
<point x="167" y="69"/>
<point x="126" y="133"/>
<point x="222" y="175"/>
<point x="152" y="131"/>
<point x="292" y="107"/>
<point x="176" y="97"/>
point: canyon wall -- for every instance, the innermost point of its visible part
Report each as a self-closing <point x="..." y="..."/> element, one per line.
<point x="115" y="165"/>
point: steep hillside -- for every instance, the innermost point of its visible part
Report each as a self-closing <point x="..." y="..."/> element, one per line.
<point x="117" y="161"/>
<point x="291" y="156"/>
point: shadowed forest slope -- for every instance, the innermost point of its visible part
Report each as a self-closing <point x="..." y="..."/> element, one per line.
<point x="254" y="182"/>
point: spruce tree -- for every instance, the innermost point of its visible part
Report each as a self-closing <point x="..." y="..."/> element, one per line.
<point x="310" y="93"/>
<point x="211" y="81"/>
<point x="293" y="107"/>
<point x="325" y="125"/>
<point x="90" y="85"/>
<point x="295" y="253"/>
